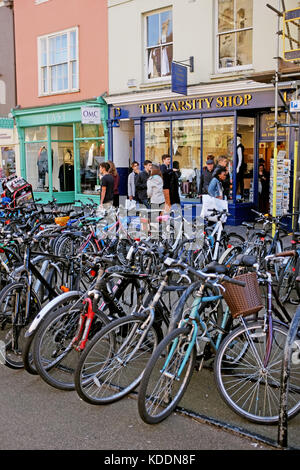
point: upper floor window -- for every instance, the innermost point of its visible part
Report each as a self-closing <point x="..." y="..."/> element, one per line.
<point x="58" y="62"/>
<point x="159" y="44"/>
<point x="234" y="34"/>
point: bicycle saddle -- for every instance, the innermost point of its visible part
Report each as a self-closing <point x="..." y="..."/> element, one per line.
<point x="214" y="268"/>
<point x="245" y="260"/>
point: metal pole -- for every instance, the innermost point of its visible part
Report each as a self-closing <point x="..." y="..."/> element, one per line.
<point x="285" y="375"/>
<point x="274" y="212"/>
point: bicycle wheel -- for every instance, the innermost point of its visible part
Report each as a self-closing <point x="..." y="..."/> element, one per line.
<point x="27" y="351"/>
<point x="54" y="356"/>
<point x="162" y="385"/>
<point x="14" y="322"/>
<point x="250" y="388"/>
<point x="113" y="364"/>
<point x="287" y="280"/>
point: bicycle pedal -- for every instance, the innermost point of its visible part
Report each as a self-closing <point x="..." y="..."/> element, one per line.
<point x="199" y="363"/>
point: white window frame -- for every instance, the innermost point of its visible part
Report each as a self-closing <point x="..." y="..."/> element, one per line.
<point x="166" y="78"/>
<point x="217" y="34"/>
<point x="69" y="89"/>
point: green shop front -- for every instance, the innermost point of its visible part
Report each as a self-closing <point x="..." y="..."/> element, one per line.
<point x="61" y="148"/>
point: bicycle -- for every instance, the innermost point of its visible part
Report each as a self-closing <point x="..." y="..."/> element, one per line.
<point x="171" y="367"/>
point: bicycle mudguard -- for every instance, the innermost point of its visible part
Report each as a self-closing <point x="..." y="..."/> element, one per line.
<point x="47" y="309"/>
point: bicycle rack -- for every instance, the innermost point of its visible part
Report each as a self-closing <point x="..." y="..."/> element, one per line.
<point x="285" y="374"/>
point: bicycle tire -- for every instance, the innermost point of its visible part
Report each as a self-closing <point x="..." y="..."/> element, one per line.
<point x="246" y="386"/>
<point x="106" y="371"/>
<point x="156" y="398"/>
<point x="54" y="356"/>
<point x="56" y="377"/>
<point x="27" y="351"/>
<point x="287" y="280"/>
<point x="12" y="303"/>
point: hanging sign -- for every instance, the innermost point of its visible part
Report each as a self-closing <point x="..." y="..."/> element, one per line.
<point x="90" y="115"/>
<point x="179" y="79"/>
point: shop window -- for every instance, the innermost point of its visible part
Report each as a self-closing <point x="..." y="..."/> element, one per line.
<point x="58" y="62"/>
<point x="91" y="154"/>
<point x="63" y="158"/>
<point x="234" y="34"/>
<point x="8" y="162"/>
<point x="186" y="155"/>
<point x="37" y="168"/>
<point x="159" y="44"/>
<point x="218" y="142"/>
<point x="245" y="159"/>
<point x="157" y="140"/>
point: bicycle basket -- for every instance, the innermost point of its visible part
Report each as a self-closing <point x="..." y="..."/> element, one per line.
<point x="243" y="301"/>
<point x="61" y="220"/>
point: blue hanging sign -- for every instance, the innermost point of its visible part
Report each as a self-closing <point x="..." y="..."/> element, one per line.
<point x="179" y="79"/>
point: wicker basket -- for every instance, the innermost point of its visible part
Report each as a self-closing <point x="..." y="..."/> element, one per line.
<point x="61" y="220"/>
<point x="243" y="301"/>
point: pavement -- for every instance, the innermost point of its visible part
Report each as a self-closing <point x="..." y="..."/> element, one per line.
<point x="36" y="416"/>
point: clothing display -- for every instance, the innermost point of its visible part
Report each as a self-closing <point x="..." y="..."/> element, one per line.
<point x="42" y="164"/>
<point x="240" y="168"/>
<point x="66" y="177"/>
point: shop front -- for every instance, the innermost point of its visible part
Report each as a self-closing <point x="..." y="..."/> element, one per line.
<point x="8" y="148"/>
<point x="191" y="129"/>
<point x="61" y="148"/>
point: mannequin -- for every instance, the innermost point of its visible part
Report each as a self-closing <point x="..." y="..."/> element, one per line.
<point x="240" y="165"/>
<point x="66" y="173"/>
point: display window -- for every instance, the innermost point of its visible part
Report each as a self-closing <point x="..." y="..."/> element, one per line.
<point x="8" y="161"/>
<point x="91" y="152"/>
<point x="245" y="159"/>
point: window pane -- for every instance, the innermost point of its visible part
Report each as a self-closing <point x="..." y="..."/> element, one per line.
<point x="91" y="154"/>
<point x="166" y="60"/>
<point x="44" y="80"/>
<point x="89" y="130"/>
<point x="74" y="75"/>
<point x="43" y="52"/>
<point x="186" y="155"/>
<point x="166" y="27"/>
<point x="37" y="166"/>
<point x="244" y="14"/>
<point x="157" y="140"/>
<point x="35" y="133"/>
<point x="245" y="159"/>
<point x="227" y="50"/>
<point x="244" y="47"/>
<point x="153" y="30"/>
<point x="73" y="45"/>
<point x="8" y="162"/>
<point x="226" y="15"/>
<point x="154" y="62"/>
<point x="218" y="140"/>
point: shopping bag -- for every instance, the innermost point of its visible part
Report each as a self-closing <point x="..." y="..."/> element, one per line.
<point x="209" y="203"/>
<point x="130" y="204"/>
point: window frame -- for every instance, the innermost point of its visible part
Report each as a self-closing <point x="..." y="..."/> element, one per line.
<point x="236" y="68"/>
<point x="48" y="66"/>
<point x="165" y="78"/>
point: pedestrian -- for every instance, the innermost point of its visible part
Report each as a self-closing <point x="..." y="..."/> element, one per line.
<point x="132" y="180"/>
<point x="113" y="171"/>
<point x="223" y="164"/>
<point x="107" y="186"/>
<point x="166" y="161"/>
<point x="207" y="176"/>
<point x="215" y="187"/>
<point x="155" y="188"/>
<point x="263" y="189"/>
<point x="141" y="184"/>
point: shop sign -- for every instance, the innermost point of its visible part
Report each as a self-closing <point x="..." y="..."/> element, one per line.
<point x="267" y="129"/>
<point x="295" y="106"/>
<point x="90" y="115"/>
<point x="201" y="104"/>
